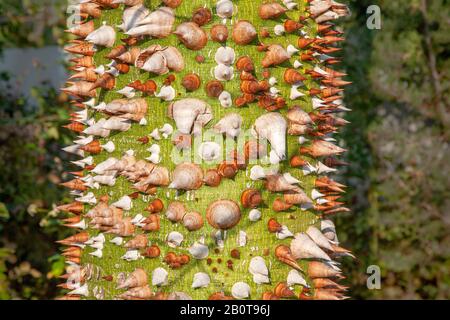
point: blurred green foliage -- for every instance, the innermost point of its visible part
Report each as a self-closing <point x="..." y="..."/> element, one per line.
<point x="399" y="149"/>
<point x="32" y="166"/>
<point x="397" y="140"/>
<point x="35" y="23"/>
<point x="31" y="159"/>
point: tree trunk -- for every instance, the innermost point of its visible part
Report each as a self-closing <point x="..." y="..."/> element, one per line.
<point x="223" y="202"/>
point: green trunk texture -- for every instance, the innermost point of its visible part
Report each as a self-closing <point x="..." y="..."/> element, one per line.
<point x="260" y="242"/>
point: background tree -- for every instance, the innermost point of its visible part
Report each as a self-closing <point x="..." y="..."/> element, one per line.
<point x="31" y="159"/>
<point x="400" y="105"/>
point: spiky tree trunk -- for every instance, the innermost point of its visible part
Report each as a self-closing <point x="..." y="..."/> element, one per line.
<point x="205" y="143"/>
